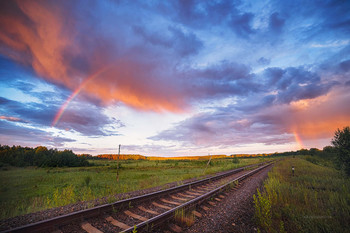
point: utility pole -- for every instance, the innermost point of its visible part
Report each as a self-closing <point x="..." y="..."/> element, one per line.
<point x="118" y="164"/>
<point x="208" y="163"/>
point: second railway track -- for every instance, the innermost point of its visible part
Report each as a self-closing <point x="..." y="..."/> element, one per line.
<point x="145" y="212"/>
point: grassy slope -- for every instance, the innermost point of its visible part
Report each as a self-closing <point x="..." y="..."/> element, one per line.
<point x="316" y="199"/>
<point x="25" y="190"/>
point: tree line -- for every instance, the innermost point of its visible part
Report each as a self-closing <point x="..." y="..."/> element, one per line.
<point x="40" y="156"/>
<point x="338" y="153"/>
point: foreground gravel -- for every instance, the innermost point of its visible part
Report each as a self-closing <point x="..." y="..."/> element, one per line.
<point x="235" y="212"/>
<point x="10" y="223"/>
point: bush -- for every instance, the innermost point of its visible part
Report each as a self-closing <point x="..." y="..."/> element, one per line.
<point x="87" y="180"/>
<point x="235" y="160"/>
<point x="263" y="210"/>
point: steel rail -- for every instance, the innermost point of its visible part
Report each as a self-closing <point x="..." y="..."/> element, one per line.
<point x="53" y="223"/>
<point x="159" y="219"/>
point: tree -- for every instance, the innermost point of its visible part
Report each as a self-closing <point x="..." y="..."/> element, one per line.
<point x="341" y="142"/>
<point x="313" y="151"/>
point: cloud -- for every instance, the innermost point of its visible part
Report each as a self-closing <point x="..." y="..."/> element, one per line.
<point x="143" y="66"/>
<point x="337" y="43"/>
<point x="276" y="23"/>
<point x="290" y="100"/>
<point x="82" y="117"/>
<point x="276" y="124"/>
<point x="89" y="120"/>
<point x="13" y="119"/>
<point x="224" y="127"/>
<point x="345" y="66"/>
<point x="13" y="134"/>
<point x="262" y="71"/>
<point x="241" y="24"/>
<point x="49" y="42"/>
<point x="200" y="14"/>
<point x="224" y="79"/>
<point x="47" y="36"/>
<point x="264" y="61"/>
<point x="184" y="44"/>
<point x="296" y="83"/>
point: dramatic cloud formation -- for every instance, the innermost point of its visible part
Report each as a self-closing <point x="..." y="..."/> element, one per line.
<point x="219" y="74"/>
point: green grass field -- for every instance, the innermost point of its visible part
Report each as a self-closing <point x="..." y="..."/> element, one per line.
<point x="315" y="199"/>
<point x="26" y="190"/>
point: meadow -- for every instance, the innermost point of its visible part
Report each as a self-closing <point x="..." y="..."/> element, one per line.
<point x="31" y="189"/>
<point x="315" y="199"/>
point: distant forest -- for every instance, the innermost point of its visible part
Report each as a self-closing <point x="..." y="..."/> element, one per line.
<point x="40" y="156"/>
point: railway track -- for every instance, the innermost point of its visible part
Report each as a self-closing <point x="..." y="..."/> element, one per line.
<point x="145" y="212"/>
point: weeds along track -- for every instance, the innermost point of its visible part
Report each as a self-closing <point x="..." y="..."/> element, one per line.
<point x="145" y="212"/>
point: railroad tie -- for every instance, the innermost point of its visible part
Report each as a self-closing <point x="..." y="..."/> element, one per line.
<point x="212" y="203"/>
<point x="117" y="223"/>
<point x="218" y="199"/>
<point x="175" y="228"/>
<point x="147" y="210"/>
<point x="170" y="202"/>
<point x="178" y="198"/>
<point x="203" y="189"/>
<point x="205" y="208"/>
<point x="198" y="190"/>
<point x="197" y="214"/>
<point x="131" y="214"/>
<point x="193" y="193"/>
<point x="161" y="206"/>
<point x="184" y="195"/>
<point x="221" y="196"/>
<point x="89" y="228"/>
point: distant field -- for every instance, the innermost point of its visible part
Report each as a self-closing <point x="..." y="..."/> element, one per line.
<point x="26" y="190"/>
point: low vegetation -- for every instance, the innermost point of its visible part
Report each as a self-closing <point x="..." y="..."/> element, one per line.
<point x="29" y="189"/>
<point x="315" y="199"/>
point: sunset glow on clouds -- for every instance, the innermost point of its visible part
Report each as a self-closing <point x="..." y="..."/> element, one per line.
<point x="174" y="77"/>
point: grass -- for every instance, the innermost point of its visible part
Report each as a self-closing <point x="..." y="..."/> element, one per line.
<point x="26" y="190"/>
<point x="315" y="199"/>
<point x="184" y="217"/>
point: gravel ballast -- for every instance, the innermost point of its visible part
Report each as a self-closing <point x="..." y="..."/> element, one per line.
<point x="235" y="212"/>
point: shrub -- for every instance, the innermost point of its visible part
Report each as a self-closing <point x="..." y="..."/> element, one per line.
<point x="263" y="210"/>
<point x="87" y="180"/>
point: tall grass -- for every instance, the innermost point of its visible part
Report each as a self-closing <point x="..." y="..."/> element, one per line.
<point x="315" y="199"/>
<point x="184" y="217"/>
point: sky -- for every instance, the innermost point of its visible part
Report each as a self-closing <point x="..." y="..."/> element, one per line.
<point x="174" y="78"/>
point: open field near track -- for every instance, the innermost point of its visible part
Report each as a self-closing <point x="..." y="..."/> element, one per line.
<point x="315" y="199"/>
<point x="26" y="190"/>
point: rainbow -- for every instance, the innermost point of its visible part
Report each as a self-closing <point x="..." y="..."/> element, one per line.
<point x="74" y="94"/>
<point x="298" y="140"/>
